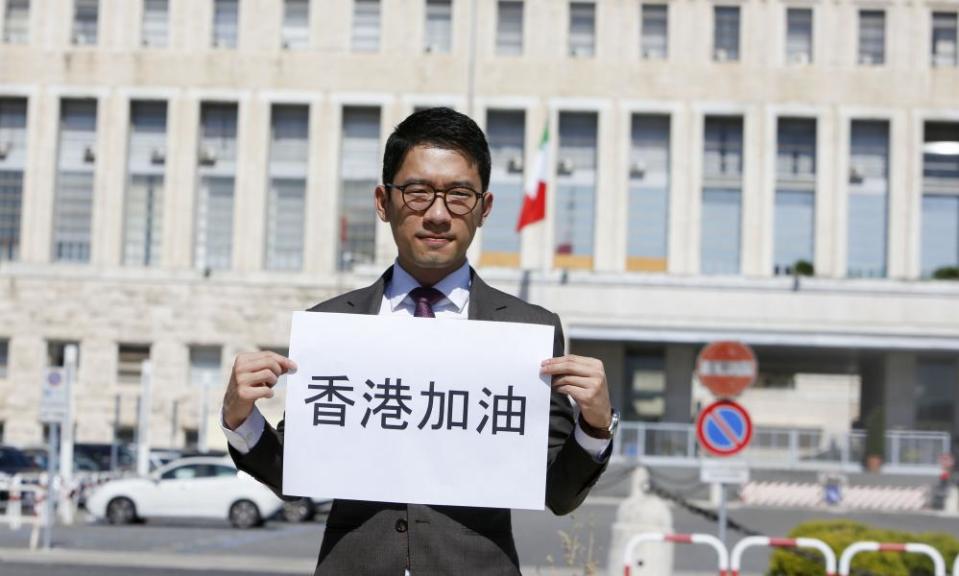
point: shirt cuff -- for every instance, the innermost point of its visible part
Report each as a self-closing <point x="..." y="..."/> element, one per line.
<point x="247" y="434"/>
<point x="596" y="447"/>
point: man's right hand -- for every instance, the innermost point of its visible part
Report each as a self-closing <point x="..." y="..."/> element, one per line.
<point x="252" y="378"/>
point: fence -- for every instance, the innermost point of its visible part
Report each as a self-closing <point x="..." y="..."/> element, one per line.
<point x="907" y="451"/>
<point x="731" y="566"/>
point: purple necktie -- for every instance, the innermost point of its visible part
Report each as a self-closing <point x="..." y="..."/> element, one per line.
<point x="424" y="298"/>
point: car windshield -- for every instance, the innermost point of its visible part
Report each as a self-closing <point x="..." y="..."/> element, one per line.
<point x="11" y="459"/>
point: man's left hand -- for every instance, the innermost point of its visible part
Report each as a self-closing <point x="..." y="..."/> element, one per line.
<point x="584" y="379"/>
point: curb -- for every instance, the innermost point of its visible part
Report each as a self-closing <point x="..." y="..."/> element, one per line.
<point x="262" y="564"/>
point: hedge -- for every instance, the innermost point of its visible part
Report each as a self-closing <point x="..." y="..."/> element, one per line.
<point x="839" y="534"/>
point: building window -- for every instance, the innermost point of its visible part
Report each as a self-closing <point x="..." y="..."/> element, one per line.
<point x="16" y="22"/>
<point x="722" y="195"/>
<point x="505" y="131"/>
<point x="359" y="175"/>
<point x="130" y="359"/>
<point x="654" y="31"/>
<point x="156" y="17"/>
<point x="143" y="205"/>
<point x="648" y="210"/>
<point x="217" y="173"/>
<point x="13" y="140"/>
<point x="582" y="29"/>
<point x="868" y="198"/>
<point x="86" y="13"/>
<point x="795" y="194"/>
<point x="940" y="200"/>
<point x="725" y="33"/>
<point x="57" y="353"/>
<point x="439" y="26"/>
<point x="73" y="202"/>
<point x="295" y="32"/>
<point x="366" y="25"/>
<point x="205" y="365"/>
<point x="286" y="209"/>
<point x="872" y="37"/>
<point x="575" y="206"/>
<point x="226" y="16"/>
<point x="4" y="357"/>
<point x="646" y="395"/>
<point x="945" y="37"/>
<point x="936" y="393"/>
<point x="509" y="28"/>
<point x="798" y="35"/>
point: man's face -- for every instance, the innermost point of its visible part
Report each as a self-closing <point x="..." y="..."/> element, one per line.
<point x="433" y="243"/>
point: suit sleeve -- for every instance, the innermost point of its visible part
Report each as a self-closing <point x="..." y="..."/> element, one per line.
<point x="265" y="460"/>
<point x="571" y="471"/>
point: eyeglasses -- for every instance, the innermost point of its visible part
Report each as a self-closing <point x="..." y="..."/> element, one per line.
<point x="459" y="200"/>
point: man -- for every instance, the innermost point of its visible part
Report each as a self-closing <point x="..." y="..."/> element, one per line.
<point x="434" y="196"/>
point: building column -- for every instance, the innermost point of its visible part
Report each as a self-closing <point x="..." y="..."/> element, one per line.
<point x="899" y="383"/>
<point x="179" y="191"/>
<point x="250" y="196"/>
<point x="888" y="384"/>
<point x="901" y="192"/>
<point x="96" y="389"/>
<point x="27" y="360"/>
<point x="680" y="362"/>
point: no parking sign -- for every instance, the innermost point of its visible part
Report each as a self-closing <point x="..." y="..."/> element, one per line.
<point x="724" y="428"/>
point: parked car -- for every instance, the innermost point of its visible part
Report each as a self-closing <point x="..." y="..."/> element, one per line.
<point x="305" y="509"/>
<point x="200" y="487"/>
<point x="14" y="461"/>
<point x="101" y="454"/>
<point x="81" y="463"/>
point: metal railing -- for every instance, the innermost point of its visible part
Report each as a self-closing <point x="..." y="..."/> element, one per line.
<point x="906" y="451"/>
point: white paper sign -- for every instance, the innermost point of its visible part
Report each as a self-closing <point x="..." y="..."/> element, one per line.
<point x="363" y="423"/>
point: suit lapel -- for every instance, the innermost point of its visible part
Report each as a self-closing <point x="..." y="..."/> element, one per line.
<point x="485" y="303"/>
<point x="369" y="300"/>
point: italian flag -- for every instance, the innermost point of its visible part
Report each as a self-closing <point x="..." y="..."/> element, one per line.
<point x="534" y="199"/>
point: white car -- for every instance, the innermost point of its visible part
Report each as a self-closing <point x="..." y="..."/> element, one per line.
<point x="199" y="487"/>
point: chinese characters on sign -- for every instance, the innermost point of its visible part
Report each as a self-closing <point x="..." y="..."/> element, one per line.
<point x="461" y="421"/>
<point x="331" y="403"/>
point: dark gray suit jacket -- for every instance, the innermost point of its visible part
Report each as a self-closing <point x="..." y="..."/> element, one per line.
<point x="384" y="538"/>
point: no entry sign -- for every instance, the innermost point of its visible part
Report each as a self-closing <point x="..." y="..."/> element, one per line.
<point x="726" y="368"/>
<point x="724" y="428"/>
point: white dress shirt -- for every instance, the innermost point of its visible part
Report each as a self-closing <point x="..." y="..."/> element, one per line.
<point x="397" y="302"/>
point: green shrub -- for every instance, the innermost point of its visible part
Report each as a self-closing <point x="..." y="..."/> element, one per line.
<point x="839" y="534"/>
<point x="946" y="273"/>
<point x="803" y="268"/>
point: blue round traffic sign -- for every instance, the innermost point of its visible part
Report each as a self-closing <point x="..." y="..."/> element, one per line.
<point x="724" y="428"/>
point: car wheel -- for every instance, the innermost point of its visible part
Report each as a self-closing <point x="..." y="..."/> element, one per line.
<point x="121" y="511"/>
<point x="301" y="510"/>
<point x="244" y="514"/>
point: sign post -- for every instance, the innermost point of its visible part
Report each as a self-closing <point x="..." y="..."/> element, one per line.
<point x="143" y="429"/>
<point x="724" y="428"/>
<point x="55" y="411"/>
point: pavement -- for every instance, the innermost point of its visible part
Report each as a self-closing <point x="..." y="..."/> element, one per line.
<point x="547" y="545"/>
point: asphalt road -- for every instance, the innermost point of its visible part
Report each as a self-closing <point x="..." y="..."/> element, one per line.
<point x="543" y="541"/>
<point x="547" y="545"/>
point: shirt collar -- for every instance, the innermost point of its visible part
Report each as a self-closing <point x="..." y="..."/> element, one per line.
<point x="455" y="287"/>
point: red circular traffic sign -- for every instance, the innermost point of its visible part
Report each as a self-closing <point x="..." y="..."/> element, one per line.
<point x="726" y="367"/>
<point x="724" y="428"/>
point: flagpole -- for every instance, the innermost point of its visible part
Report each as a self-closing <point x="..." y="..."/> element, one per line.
<point x="471" y="66"/>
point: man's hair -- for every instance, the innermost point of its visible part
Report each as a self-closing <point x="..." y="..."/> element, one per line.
<point x="440" y="128"/>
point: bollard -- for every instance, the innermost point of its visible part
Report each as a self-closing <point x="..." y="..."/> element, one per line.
<point x="752" y="541"/>
<point x="845" y="561"/>
<point x="708" y="539"/>
<point x="955" y="567"/>
<point x="15" y="504"/>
